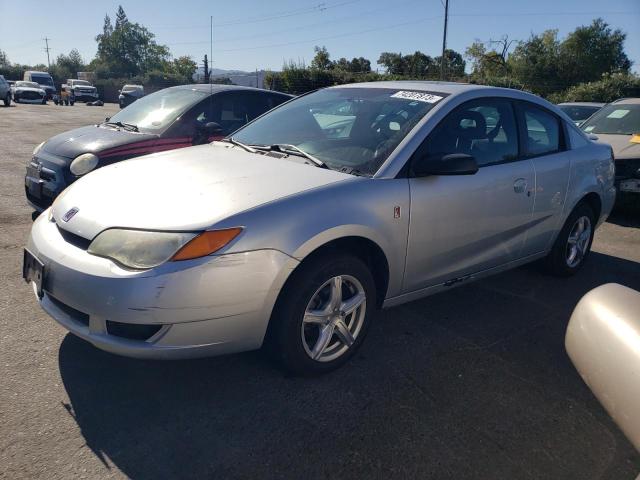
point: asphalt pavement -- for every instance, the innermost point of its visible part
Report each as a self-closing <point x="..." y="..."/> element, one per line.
<point x="474" y="383"/>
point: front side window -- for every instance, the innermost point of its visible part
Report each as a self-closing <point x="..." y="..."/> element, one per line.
<point x="345" y="127"/>
<point x="485" y="129"/>
<point x="615" y="119"/>
<point x="155" y="112"/>
<point x="542" y="131"/>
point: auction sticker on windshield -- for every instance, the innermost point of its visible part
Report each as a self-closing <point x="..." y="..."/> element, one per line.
<point x="419" y="96"/>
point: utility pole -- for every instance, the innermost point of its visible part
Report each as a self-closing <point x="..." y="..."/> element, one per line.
<point x="444" y="38"/>
<point x="46" y="41"/>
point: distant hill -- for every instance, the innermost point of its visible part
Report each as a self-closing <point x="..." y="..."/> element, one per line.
<point x="238" y="77"/>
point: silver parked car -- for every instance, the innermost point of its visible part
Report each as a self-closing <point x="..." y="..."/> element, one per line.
<point x="295" y="229"/>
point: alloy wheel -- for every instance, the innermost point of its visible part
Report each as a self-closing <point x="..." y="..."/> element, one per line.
<point x="334" y="318"/>
<point x="578" y="241"/>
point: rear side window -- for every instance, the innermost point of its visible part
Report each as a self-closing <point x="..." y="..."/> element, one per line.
<point x="542" y="131"/>
<point x="485" y="129"/>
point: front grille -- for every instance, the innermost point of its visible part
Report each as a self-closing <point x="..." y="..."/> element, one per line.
<point x="41" y="202"/>
<point x="76" y="315"/>
<point x="30" y="95"/>
<point x="627" y="168"/>
<point x="132" y="331"/>
<point x="73" y="239"/>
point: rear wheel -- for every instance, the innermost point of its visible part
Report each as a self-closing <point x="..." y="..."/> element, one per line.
<point x="323" y="314"/>
<point x="573" y="244"/>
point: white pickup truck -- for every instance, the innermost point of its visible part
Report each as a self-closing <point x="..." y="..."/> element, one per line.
<point x="81" y="91"/>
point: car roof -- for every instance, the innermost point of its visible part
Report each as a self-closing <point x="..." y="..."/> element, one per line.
<point x="216" y="88"/>
<point x="420" y="85"/>
<point x="39" y="73"/>
<point x="584" y="104"/>
<point x="628" y="101"/>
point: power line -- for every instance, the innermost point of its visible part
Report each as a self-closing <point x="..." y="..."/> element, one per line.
<point x="343" y="19"/>
<point x="349" y="34"/>
<point x="320" y="7"/>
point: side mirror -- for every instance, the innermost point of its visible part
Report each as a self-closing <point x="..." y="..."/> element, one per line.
<point x="592" y="137"/>
<point x="450" y="164"/>
<point x="211" y="128"/>
<point x="107" y="119"/>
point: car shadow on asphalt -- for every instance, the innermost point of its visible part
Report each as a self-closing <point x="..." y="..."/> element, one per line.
<point x="471" y="383"/>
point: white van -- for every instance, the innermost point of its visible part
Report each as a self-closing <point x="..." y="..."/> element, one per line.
<point x="44" y="79"/>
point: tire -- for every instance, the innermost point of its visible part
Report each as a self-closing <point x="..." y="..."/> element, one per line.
<point x="295" y="342"/>
<point x="7" y="100"/>
<point x="71" y="103"/>
<point x="573" y="244"/>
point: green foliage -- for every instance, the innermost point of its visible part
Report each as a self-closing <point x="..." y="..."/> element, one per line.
<point x="421" y="66"/>
<point x="67" y="66"/>
<point x="128" y="49"/>
<point x="546" y="65"/>
<point x="608" y="89"/>
<point x="322" y="60"/>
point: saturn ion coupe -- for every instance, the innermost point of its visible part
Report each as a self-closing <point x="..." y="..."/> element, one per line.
<point x="293" y="231"/>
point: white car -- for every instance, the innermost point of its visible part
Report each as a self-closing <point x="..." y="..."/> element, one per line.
<point x="28" y="92"/>
<point x="81" y="91"/>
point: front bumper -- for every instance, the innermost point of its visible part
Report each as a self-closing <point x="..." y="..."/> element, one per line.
<point x="85" y="97"/>
<point x="213" y="305"/>
<point x="44" y="180"/>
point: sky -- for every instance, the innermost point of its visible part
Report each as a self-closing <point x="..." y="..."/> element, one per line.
<point x="258" y="34"/>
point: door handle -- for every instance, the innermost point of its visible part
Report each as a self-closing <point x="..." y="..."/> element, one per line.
<point x="520" y="185"/>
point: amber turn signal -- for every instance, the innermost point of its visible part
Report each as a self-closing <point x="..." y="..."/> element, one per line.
<point x="635" y="138"/>
<point x="206" y="243"/>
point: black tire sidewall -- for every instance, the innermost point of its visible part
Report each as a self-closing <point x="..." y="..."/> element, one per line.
<point x="285" y="340"/>
<point x="556" y="261"/>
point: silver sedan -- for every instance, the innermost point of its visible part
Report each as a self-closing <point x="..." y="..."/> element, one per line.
<point x="291" y="233"/>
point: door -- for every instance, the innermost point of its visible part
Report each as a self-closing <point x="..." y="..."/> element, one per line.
<point x="465" y="224"/>
<point x="543" y="139"/>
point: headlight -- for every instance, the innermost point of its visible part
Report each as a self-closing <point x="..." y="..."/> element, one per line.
<point x="141" y="249"/>
<point x="83" y="164"/>
<point x="37" y="149"/>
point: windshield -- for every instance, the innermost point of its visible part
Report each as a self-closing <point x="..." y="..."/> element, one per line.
<point x="579" y="113"/>
<point x="131" y="88"/>
<point x="82" y="83"/>
<point x="158" y="110"/>
<point x="27" y="84"/>
<point x="356" y="128"/>
<point x="615" y="119"/>
<point x="42" y="79"/>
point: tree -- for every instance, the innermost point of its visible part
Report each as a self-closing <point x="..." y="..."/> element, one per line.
<point x="121" y="17"/>
<point x="591" y="51"/>
<point x="183" y="66"/>
<point x="535" y="63"/>
<point x="67" y="66"/>
<point x="454" y="64"/>
<point x="394" y="63"/>
<point x="487" y="62"/>
<point x="322" y="60"/>
<point x="4" y="60"/>
<point x="128" y="49"/>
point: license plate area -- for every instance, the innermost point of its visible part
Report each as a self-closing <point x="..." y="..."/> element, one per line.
<point x="33" y="271"/>
<point x="630" y="185"/>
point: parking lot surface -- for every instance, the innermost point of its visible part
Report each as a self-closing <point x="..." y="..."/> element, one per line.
<point x="473" y="383"/>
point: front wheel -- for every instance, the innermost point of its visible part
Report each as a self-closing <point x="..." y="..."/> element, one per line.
<point x="323" y="314"/>
<point x="7" y="100"/>
<point x="573" y="244"/>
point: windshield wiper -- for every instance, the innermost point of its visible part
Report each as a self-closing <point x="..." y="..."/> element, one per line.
<point x="126" y="126"/>
<point x="233" y="141"/>
<point x="293" y="150"/>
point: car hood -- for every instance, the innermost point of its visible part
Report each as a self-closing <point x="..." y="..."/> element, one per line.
<point x="187" y="189"/>
<point x="29" y="89"/>
<point x="90" y="139"/>
<point x="622" y="147"/>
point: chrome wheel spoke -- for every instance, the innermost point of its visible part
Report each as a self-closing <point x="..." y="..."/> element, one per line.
<point x="578" y="241"/>
<point x="343" y="333"/>
<point x="351" y="304"/>
<point x="326" y="333"/>
<point x="335" y="298"/>
<point x="315" y="316"/>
